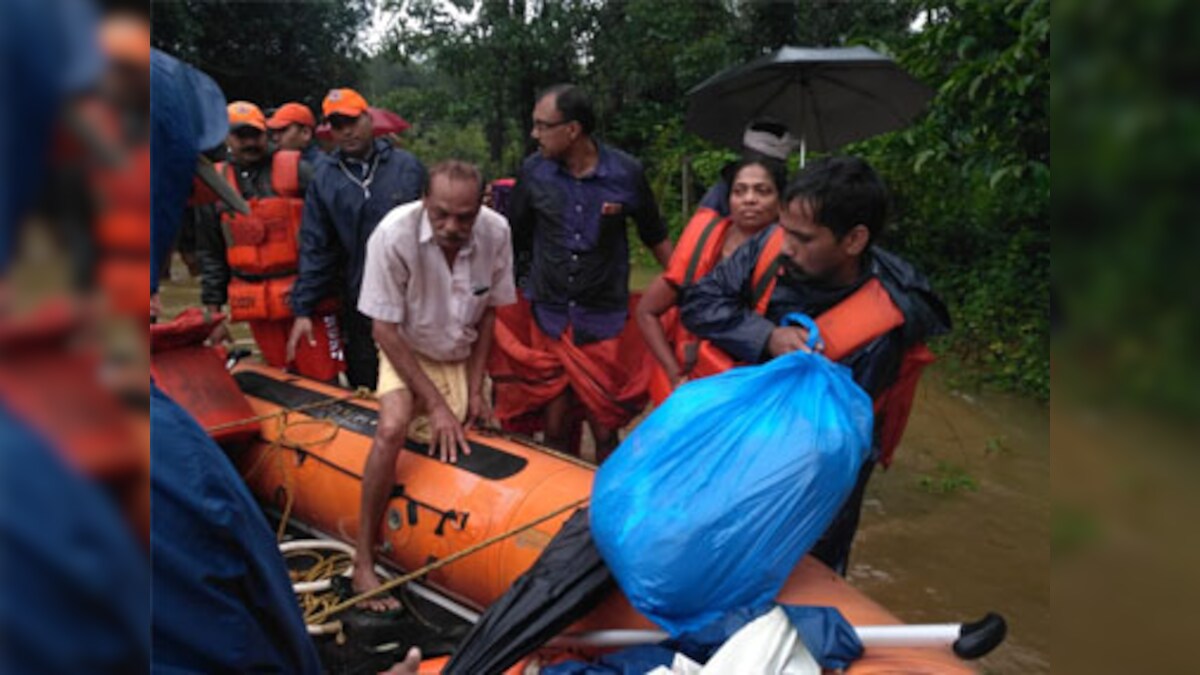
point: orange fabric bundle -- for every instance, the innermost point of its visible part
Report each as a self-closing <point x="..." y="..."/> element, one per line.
<point x="529" y="369"/>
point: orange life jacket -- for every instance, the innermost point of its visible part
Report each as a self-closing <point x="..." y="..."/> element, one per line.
<point x="863" y="316"/>
<point x="122" y="222"/>
<point x="263" y="248"/>
<point x="700" y="244"/>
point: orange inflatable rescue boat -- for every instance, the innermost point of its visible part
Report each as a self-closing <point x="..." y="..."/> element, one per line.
<point x="306" y="464"/>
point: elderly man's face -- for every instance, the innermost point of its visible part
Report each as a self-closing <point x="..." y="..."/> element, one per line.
<point x="352" y="134"/>
<point x="248" y="145"/>
<point x="452" y="205"/>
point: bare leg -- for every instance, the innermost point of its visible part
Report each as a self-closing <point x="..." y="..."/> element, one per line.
<point x="606" y="439"/>
<point x="379" y="474"/>
<point x="558" y="422"/>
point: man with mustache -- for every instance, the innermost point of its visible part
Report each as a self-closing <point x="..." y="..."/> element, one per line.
<point x="821" y="255"/>
<point x="253" y="169"/>
<point x="435" y="271"/>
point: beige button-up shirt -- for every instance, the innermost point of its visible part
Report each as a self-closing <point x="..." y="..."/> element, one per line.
<point x="406" y="280"/>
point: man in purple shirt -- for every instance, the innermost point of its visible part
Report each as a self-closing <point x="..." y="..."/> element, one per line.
<point x="568" y="214"/>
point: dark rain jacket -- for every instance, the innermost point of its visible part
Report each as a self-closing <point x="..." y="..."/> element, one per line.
<point x="339" y="217"/>
<point x="719" y="308"/>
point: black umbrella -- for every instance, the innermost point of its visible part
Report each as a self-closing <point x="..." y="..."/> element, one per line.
<point x="827" y="97"/>
<point x="566" y="581"/>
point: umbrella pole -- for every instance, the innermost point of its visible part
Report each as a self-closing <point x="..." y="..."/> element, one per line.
<point x="802" y="148"/>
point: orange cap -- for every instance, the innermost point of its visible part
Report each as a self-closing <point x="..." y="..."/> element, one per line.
<point x="245" y="113"/>
<point x="125" y="38"/>
<point x="292" y="113"/>
<point x="343" y="102"/>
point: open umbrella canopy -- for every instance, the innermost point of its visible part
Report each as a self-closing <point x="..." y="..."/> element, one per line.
<point x="385" y="122"/>
<point x="827" y="97"/>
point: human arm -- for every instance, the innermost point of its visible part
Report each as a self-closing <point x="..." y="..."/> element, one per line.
<point x="319" y="253"/>
<point x="521" y="220"/>
<point x="650" y="226"/>
<point x="479" y="409"/>
<point x="658" y="297"/>
<point x="215" y="273"/>
<point x="448" y="436"/>
<point x="718" y="307"/>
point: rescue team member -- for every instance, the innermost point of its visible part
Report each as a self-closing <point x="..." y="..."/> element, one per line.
<point x="707" y="240"/>
<point x="569" y="208"/>
<point x="122" y="190"/>
<point x="874" y="309"/>
<point x="435" y="271"/>
<point x="251" y="260"/>
<point x="293" y="127"/>
<point x="352" y="190"/>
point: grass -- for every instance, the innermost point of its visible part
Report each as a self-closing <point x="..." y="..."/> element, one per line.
<point x="947" y="479"/>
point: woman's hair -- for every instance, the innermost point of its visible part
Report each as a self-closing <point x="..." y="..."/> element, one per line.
<point x="775" y="169"/>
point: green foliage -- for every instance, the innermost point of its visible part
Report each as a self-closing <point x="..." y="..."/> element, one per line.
<point x="971" y="183"/>
<point x="947" y="479"/>
<point x="266" y="52"/>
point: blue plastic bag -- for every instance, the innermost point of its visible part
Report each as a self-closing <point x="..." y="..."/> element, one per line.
<point x="711" y="502"/>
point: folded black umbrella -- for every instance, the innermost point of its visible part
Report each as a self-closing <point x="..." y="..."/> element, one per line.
<point x="566" y="582"/>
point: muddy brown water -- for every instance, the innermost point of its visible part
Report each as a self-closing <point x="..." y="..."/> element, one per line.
<point x="960" y="524"/>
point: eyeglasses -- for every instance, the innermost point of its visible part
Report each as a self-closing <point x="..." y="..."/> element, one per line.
<point x="542" y="125"/>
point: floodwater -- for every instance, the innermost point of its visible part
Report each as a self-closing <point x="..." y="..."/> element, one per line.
<point x="960" y="524"/>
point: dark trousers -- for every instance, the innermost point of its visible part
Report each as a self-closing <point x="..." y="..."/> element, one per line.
<point x="362" y="356"/>
<point x="833" y="548"/>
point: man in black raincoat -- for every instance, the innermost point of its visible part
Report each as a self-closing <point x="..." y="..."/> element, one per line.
<point x="832" y="214"/>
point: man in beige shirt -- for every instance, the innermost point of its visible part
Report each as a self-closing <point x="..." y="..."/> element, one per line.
<point x="435" y="271"/>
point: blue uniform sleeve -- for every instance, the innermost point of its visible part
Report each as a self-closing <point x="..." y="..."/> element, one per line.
<point x="718" y="307"/>
<point x="319" y="254"/>
<point x="521" y="222"/>
<point x="222" y="598"/>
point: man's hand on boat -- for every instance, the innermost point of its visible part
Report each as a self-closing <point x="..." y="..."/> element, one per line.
<point x="302" y="327"/>
<point x="447" y="432"/>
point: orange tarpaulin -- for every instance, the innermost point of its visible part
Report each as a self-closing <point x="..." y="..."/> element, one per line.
<point x="529" y="369"/>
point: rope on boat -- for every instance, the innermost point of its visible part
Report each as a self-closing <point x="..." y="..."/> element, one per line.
<point x="437" y="564"/>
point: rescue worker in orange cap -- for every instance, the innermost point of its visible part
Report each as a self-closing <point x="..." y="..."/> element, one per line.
<point x="250" y="261"/>
<point x="293" y="127"/>
<point x="353" y="188"/>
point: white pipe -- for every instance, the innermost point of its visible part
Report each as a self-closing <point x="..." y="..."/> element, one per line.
<point x="317" y="545"/>
<point x="324" y="628"/>
<point x="916" y="635"/>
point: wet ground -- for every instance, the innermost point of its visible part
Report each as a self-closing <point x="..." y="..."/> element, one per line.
<point x="959" y="526"/>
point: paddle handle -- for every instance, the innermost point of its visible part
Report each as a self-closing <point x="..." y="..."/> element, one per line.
<point x="968" y="640"/>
